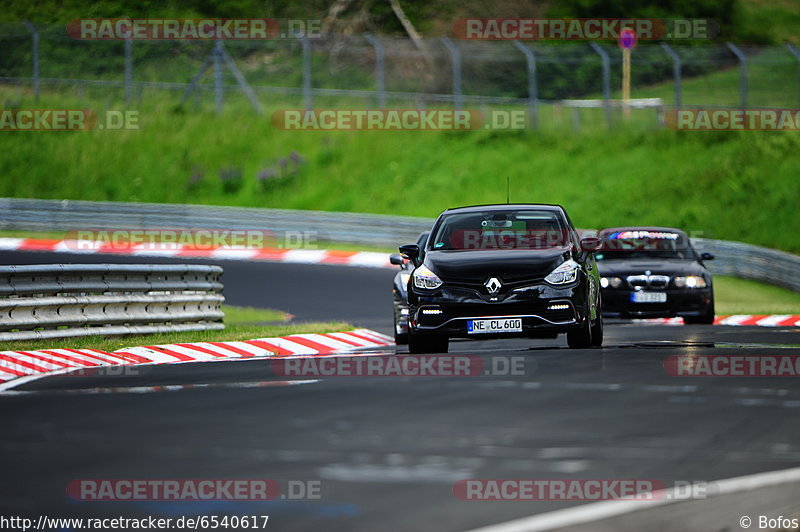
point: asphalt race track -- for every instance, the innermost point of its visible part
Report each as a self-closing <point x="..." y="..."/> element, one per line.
<point x="387" y="451"/>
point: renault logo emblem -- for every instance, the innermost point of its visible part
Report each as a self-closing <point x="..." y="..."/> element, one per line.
<point x="493" y="285"/>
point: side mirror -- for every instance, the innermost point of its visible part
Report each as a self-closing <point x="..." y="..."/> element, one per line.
<point x="410" y="252"/>
<point x="591" y="243"/>
<point x="396" y="259"/>
<point x="706" y="256"/>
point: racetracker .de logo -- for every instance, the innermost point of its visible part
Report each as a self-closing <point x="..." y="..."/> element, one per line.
<point x="581" y="29"/>
<point x="558" y="489"/>
<point x="208" y="489"/>
<point x="733" y="365"/>
<point x="382" y="366"/>
<point x="173" y="490"/>
<point x="66" y="120"/>
<point x="399" y="119"/>
<point x="174" y="29"/>
<point x="187" y="239"/>
<point x="733" y="119"/>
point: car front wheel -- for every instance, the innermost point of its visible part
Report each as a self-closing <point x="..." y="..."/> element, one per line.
<point x="597" y="330"/>
<point x="580" y="337"/>
<point x="399" y="338"/>
<point x="703" y="319"/>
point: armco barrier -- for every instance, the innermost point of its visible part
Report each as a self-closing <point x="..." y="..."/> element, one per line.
<point x="732" y="258"/>
<point x="52" y="215"/>
<point x="65" y="300"/>
<point x="752" y="262"/>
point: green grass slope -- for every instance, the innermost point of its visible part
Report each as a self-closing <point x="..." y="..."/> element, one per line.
<point x="731" y="185"/>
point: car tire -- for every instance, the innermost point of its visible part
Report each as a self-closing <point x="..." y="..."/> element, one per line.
<point x="423" y="343"/>
<point x="399" y="338"/>
<point x="580" y="337"/>
<point x="704" y="319"/>
<point x="597" y="330"/>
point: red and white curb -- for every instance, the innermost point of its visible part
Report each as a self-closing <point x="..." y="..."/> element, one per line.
<point x="17" y="367"/>
<point x="759" y="320"/>
<point x="368" y="259"/>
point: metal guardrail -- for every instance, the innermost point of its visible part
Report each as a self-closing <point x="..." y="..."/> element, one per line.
<point x="732" y="258"/>
<point x="53" y="215"/>
<point x="67" y="300"/>
<point x="752" y="262"/>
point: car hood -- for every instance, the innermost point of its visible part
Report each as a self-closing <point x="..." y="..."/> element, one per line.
<point x="622" y="267"/>
<point x="509" y="265"/>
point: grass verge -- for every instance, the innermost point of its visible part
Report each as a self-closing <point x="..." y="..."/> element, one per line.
<point x="743" y="296"/>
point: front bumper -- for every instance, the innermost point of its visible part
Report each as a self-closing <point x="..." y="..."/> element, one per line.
<point x="543" y="309"/>
<point x="680" y="302"/>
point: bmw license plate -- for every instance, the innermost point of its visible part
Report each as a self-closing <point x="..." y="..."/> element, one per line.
<point x="497" y="325"/>
<point x="648" y="297"/>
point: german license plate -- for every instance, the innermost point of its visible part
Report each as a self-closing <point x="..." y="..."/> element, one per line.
<point x="649" y="297"/>
<point x="496" y="325"/>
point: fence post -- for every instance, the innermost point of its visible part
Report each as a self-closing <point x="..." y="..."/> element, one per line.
<point x="533" y="89"/>
<point x="36" y="79"/>
<point x="218" y="97"/>
<point x="676" y="71"/>
<point x="743" y="71"/>
<point x="380" y="80"/>
<point x="128" y="71"/>
<point x="796" y="54"/>
<point x="240" y="79"/>
<point x="455" y="59"/>
<point x="308" y="99"/>
<point x="606" y="80"/>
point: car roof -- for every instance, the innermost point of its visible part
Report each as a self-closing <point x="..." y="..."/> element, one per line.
<point x="503" y="207"/>
<point x="608" y="230"/>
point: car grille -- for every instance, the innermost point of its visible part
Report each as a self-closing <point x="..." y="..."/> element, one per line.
<point x="648" y="281"/>
<point x="559" y="316"/>
<point x="503" y="309"/>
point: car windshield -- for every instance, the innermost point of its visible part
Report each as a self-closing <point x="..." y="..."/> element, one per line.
<point x="505" y="229"/>
<point x="640" y="244"/>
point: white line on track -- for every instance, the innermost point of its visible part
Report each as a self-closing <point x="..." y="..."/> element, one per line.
<point x="588" y="513"/>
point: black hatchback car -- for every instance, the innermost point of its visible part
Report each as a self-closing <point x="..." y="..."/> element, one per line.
<point x="399" y="290"/>
<point x="492" y="271"/>
<point x="654" y="272"/>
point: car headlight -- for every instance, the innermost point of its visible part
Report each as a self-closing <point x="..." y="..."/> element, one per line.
<point x="567" y="272"/>
<point x="690" y="281"/>
<point x="613" y="282"/>
<point x="425" y="278"/>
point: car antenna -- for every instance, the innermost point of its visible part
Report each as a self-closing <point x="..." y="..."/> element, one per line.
<point x="508" y="190"/>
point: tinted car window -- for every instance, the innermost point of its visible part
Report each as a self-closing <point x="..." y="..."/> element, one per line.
<point x="645" y="244"/>
<point x="511" y="229"/>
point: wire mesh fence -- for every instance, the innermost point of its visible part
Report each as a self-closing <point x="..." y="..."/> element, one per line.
<point x="376" y="72"/>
